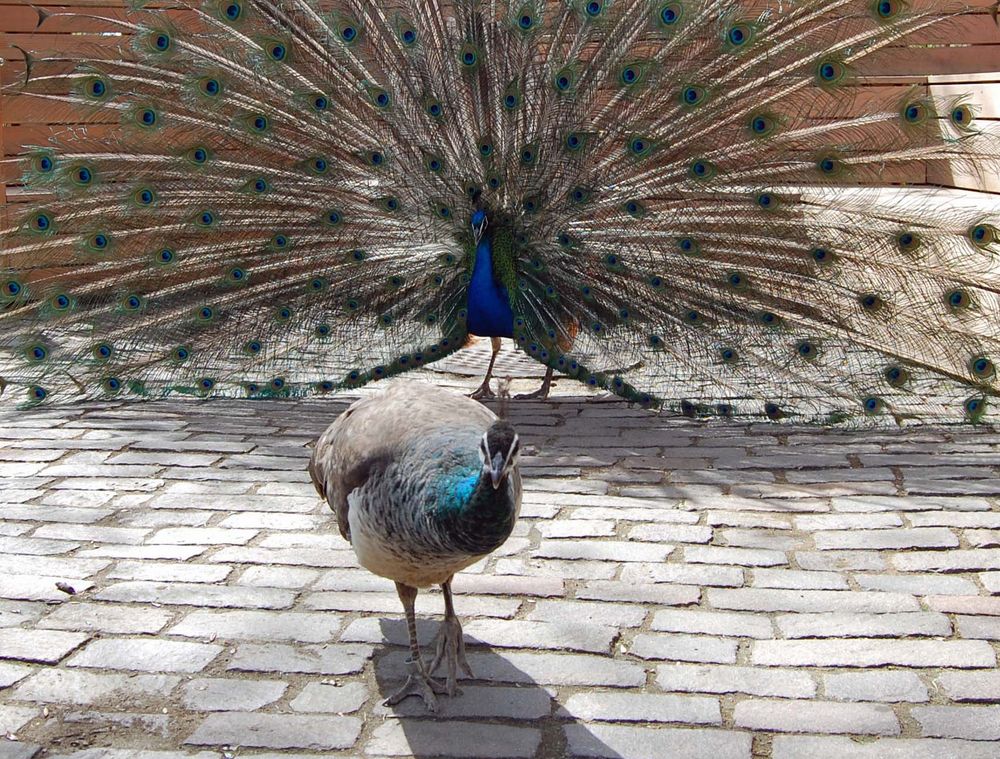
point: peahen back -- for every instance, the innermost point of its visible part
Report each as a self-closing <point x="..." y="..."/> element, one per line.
<point x="691" y="203"/>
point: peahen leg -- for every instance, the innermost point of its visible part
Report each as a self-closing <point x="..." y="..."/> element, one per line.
<point x="484" y="392"/>
<point x="450" y="644"/>
<point x="418" y="682"/>
<point x="543" y="392"/>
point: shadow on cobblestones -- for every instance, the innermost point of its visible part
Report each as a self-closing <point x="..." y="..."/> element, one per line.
<point x="502" y="692"/>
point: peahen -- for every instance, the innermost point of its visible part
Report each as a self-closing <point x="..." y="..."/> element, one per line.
<point x="424" y="483"/>
<point x="691" y="203"/>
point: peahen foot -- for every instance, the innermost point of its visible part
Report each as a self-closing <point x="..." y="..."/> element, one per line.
<point x="541" y="393"/>
<point x="451" y="650"/>
<point x="418" y="683"/>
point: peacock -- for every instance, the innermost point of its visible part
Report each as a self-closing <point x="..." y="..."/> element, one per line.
<point x="693" y="204"/>
<point x="424" y="482"/>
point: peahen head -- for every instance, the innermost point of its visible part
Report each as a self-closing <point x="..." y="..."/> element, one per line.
<point x="498" y="452"/>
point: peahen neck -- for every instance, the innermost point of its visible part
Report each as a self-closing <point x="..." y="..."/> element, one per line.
<point x="490" y="314"/>
<point x="476" y="517"/>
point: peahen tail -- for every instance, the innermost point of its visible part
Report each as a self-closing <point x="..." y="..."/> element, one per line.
<point x="690" y="202"/>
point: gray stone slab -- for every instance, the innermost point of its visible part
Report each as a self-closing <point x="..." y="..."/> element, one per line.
<point x="888" y="686"/>
<point x="520" y="703"/>
<point x="280" y="731"/>
<point x="615" y="742"/>
<point x="85" y="688"/>
<point x="146" y="655"/>
<point x="810" y="747"/>
<point x="452" y="739"/>
<point x="978" y="723"/>
<point x="612" y="706"/>
<point x="224" y="695"/>
<point x="975" y="685"/>
<point x="756" y="681"/>
<point x="863" y="652"/>
<point x="337" y="699"/>
<point x="194" y="594"/>
<point x="785" y="716"/>
<point x="122" y="620"/>
<point x="834" y="625"/>
<point x="259" y="625"/>
<point x="46" y="646"/>
<point x="13" y="718"/>
<point x="322" y="660"/>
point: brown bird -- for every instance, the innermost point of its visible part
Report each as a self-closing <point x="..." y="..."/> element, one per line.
<point x="424" y="483"/>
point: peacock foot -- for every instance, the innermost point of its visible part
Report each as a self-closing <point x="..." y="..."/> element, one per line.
<point x="540" y="394"/>
<point x="418" y="683"/>
<point x="451" y="651"/>
<point x="483" y="392"/>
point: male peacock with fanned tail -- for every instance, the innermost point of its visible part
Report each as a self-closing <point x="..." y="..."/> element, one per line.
<point x="703" y="204"/>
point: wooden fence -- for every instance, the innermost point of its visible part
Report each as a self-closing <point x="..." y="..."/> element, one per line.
<point x="962" y="56"/>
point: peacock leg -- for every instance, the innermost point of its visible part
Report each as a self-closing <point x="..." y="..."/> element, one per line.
<point x="543" y="392"/>
<point x="450" y="644"/>
<point x="418" y="682"/>
<point x="484" y="391"/>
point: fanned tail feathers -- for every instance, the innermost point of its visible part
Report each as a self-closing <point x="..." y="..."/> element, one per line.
<point x="706" y="208"/>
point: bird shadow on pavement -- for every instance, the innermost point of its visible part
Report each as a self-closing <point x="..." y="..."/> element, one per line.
<point x="504" y="712"/>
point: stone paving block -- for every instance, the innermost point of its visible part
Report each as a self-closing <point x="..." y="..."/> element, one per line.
<point x="202" y="536"/>
<point x="892" y="686"/>
<point x="745" y="557"/>
<point x="786" y="716"/>
<point x="85" y="688"/>
<point x="171" y="552"/>
<point x="196" y="594"/>
<point x="864" y="652"/>
<point x="671" y="533"/>
<point x="766" y="599"/>
<point x="169" y="571"/>
<point x="948" y="561"/>
<point x="607" y="614"/>
<point x="834" y="625"/>
<point x="713" y="623"/>
<point x="256" y="520"/>
<point x="259" y="625"/>
<point x="502" y="586"/>
<point x="92" y="533"/>
<point x="917" y="584"/>
<point x="610" y="706"/>
<point x="121" y="620"/>
<point x="876" y="521"/>
<point x="341" y="699"/>
<point x="51" y="566"/>
<point x="838" y="561"/>
<point x="320" y="660"/>
<point x="886" y="539"/>
<point x="578" y="528"/>
<point x="604" y="550"/>
<point x="44" y="646"/>
<point x="36" y="546"/>
<point x="665" y="595"/>
<point x="427" y="603"/>
<point x="297" y="731"/>
<point x="983" y="628"/>
<point x="683" y="574"/>
<point x="453" y="739"/>
<point x="364" y="581"/>
<point x="978" y="723"/>
<point x="991" y="581"/>
<point x="46" y="513"/>
<point x="310" y="557"/>
<point x="810" y="747"/>
<point x="146" y="655"/>
<point x="543" y="669"/>
<point x="615" y="742"/>
<point x="12" y="673"/>
<point x="38" y="587"/>
<point x="18" y="750"/>
<point x="292" y="578"/>
<point x="795" y="579"/>
<point x="12" y="718"/>
<point x="985" y="605"/>
<point x="226" y="695"/>
<point x="565" y="635"/>
<point x="689" y="648"/>
<point x="975" y="685"/>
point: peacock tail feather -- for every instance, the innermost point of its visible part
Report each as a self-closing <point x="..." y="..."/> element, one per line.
<point x="692" y="203"/>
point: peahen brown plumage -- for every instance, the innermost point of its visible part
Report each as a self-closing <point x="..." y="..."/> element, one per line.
<point x="424" y="482"/>
<point x="686" y="202"/>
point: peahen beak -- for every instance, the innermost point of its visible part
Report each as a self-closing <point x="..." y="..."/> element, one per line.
<point x="497" y="470"/>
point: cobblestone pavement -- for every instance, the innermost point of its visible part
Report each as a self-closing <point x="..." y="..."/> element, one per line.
<point x="171" y="586"/>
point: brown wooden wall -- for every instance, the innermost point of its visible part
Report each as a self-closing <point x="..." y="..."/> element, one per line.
<point x="961" y="56"/>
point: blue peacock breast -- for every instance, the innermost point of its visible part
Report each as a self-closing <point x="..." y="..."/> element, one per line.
<point x="490" y="314"/>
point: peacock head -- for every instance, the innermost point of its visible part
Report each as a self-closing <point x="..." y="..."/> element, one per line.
<point x="498" y="452"/>
<point x="479" y="223"/>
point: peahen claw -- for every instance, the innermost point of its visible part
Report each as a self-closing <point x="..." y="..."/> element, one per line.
<point x="451" y="650"/>
<point x="418" y="683"/>
<point x="540" y="394"/>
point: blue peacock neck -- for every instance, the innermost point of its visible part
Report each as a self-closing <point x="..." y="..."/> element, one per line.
<point x="489" y="309"/>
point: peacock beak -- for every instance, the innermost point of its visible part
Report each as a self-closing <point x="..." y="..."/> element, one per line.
<point x="497" y="471"/>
